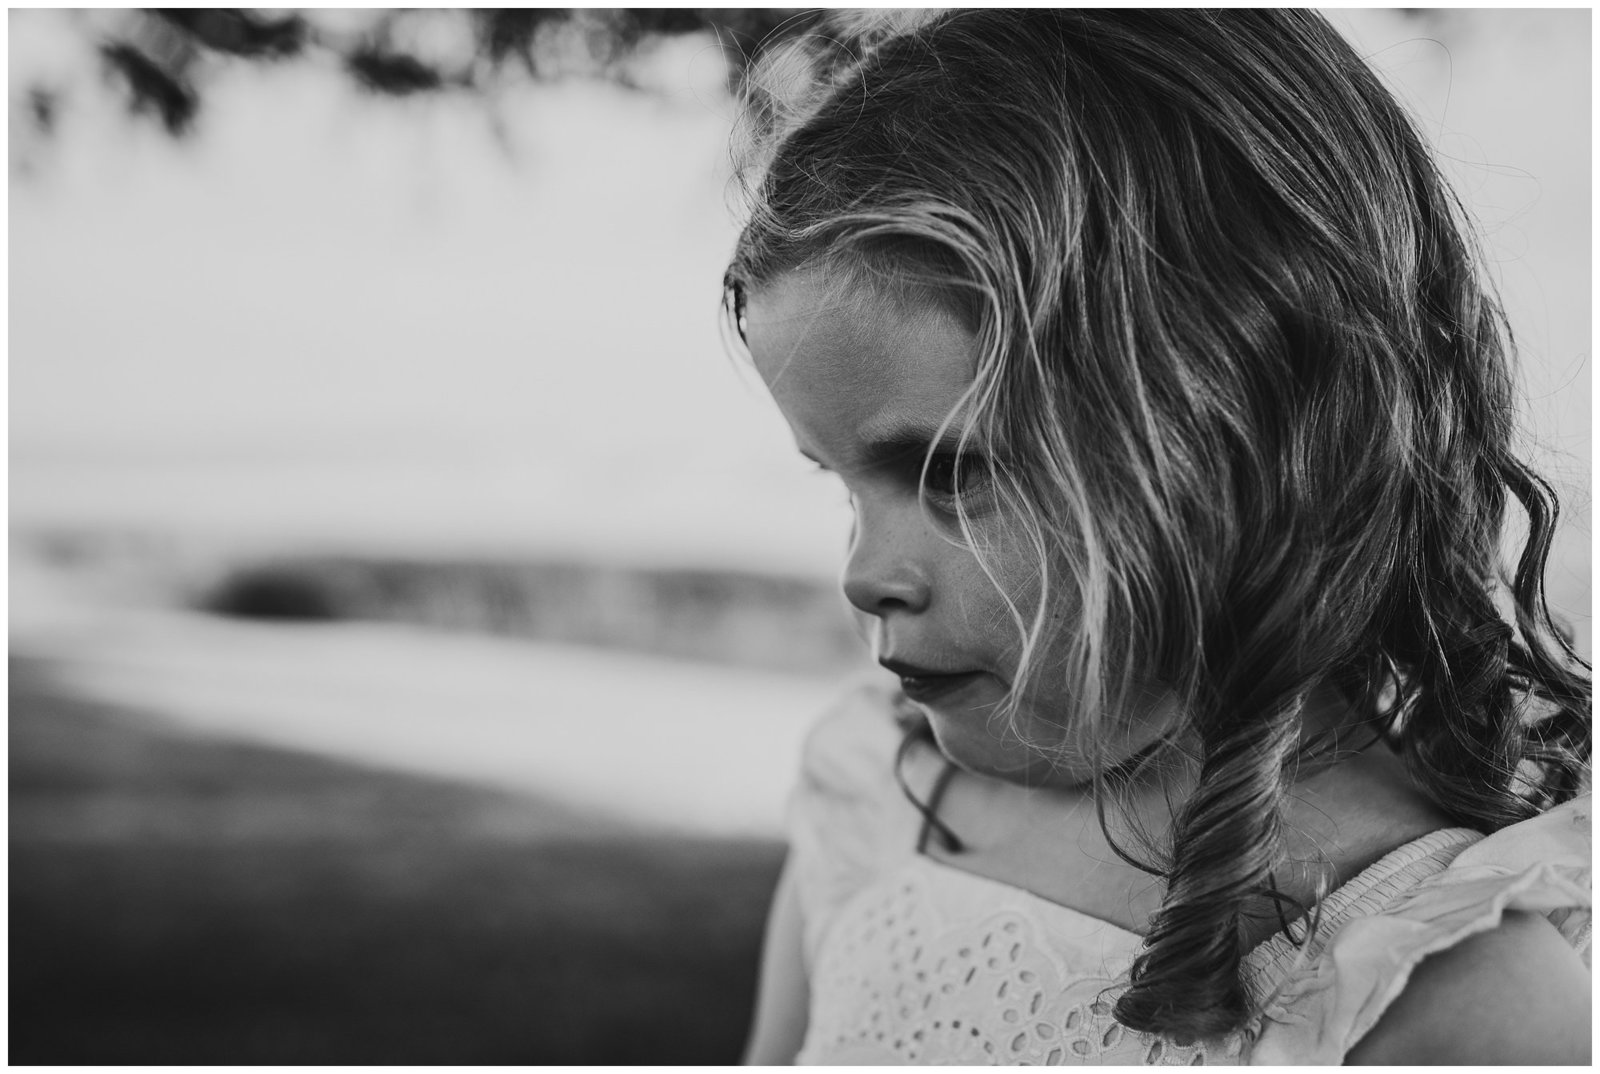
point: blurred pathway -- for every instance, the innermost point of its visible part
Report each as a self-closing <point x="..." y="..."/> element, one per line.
<point x="706" y="748"/>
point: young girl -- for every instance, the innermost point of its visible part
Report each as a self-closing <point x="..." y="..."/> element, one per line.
<point x="1176" y="420"/>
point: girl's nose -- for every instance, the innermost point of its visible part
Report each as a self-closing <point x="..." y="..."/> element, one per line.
<point x="882" y="575"/>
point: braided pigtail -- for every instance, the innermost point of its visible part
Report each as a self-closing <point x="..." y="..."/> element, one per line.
<point x="1225" y="842"/>
<point x="1246" y="706"/>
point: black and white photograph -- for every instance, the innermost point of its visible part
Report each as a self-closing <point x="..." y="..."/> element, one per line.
<point x="887" y="536"/>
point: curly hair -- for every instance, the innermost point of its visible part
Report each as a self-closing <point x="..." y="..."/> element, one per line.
<point x="1250" y="394"/>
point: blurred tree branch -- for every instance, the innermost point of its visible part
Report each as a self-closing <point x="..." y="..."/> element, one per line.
<point x="158" y="58"/>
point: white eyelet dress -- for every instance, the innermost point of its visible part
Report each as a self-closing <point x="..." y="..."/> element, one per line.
<point x="913" y="961"/>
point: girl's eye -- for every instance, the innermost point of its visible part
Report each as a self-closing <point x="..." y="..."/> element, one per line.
<point x="949" y="474"/>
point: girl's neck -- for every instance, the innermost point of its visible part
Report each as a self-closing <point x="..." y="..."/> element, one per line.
<point x="1348" y="808"/>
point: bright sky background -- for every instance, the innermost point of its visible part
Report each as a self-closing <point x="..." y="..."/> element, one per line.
<point x="330" y="319"/>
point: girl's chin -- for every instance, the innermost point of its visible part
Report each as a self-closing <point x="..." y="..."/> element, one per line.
<point x="973" y="747"/>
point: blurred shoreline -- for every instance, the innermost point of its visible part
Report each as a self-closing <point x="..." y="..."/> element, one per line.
<point x="678" y="697"/>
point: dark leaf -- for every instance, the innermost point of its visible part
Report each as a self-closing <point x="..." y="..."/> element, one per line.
<point x="668" y="20"/>
<point x="507" y="32"/>
<point x="391" y="72"/>
<point x="632" y="25"/>
<point x="239" y="33"/>
<point x="42" y="109"/>
<point x="150" y="86"/>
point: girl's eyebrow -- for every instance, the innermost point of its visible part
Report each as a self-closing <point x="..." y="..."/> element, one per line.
<point x="897" y="444"/>
<point x="894" y="445"/>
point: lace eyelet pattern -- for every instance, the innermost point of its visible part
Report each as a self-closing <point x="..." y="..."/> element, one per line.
<point x="896" y="984"/>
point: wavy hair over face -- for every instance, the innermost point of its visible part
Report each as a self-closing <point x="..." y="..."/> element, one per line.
<point x="1248" y="395"/>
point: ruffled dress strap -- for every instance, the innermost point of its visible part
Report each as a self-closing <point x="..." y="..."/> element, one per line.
<point x="848" y="822"/>
<point x="1450" y="886"/>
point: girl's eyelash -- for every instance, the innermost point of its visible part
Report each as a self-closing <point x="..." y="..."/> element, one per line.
<point x="938" y="475"/>
<point x="947" y="473"/>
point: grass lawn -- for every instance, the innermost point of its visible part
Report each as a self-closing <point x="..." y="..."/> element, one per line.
<point x="179" y="900"/>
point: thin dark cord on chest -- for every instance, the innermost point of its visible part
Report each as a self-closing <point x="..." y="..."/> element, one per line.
<point x="931" y="824"/>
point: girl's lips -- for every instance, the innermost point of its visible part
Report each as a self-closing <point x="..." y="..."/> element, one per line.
<point x="927" y="686"/>
<point x="932" y="689"/>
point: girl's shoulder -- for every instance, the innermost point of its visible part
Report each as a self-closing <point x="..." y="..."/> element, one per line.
<point x="1408" y="960"/>
<point x="1515" y="994"/>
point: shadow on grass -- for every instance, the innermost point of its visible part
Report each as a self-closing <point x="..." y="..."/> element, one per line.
<point x="179" y="900"/>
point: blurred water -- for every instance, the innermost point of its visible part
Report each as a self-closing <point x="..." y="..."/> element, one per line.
<point x="702" y="748"/>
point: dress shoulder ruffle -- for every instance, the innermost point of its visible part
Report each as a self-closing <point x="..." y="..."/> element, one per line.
<point x="1541" y="866"/>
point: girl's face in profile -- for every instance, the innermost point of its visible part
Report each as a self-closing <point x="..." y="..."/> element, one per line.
<point x="866" y="381"/>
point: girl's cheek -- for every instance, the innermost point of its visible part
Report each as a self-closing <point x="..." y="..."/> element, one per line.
<point x="1004" y="583"/>
<point x="1026" y="593"/>
<point x="1010" y="559"/>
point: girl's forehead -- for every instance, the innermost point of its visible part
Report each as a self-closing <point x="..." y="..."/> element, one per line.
<point x="814" y="292"/>
<point x="836" y="324"/>
<point x="848" y="368"/>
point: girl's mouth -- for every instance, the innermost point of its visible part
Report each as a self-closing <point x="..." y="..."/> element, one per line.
<point x="927" y="686"/>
